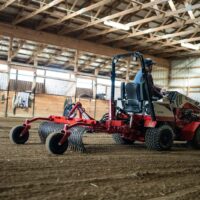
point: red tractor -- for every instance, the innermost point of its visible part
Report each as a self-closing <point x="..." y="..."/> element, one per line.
<point x="156" y="122"/>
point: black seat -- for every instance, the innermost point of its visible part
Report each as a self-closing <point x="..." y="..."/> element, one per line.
<point x="131" y="104"/>
<point x="143" y="93"/>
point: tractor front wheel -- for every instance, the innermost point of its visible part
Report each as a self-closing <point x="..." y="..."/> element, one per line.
<point x="53" y="145"/>
<point x="196" y="140"/>
<point x="16" y="135"/>
<point x="160" y="139"/>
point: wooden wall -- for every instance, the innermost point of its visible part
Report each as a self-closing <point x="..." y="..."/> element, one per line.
<point x="46" y="105"/>
<point x="102" y="107"/>
<point x="185" y="77"/>
<point x="2" y="103"/>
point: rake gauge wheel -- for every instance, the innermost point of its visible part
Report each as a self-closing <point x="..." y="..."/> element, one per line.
<point x="16" y="136"/>
<point x="52" y="143"/>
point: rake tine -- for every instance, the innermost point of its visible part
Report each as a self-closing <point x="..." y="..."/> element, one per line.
<point x="75" y="139"/>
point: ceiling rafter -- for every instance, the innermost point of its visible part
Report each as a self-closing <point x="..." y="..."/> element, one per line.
<point x="53" y="57"/>
<point x="158" y="29"/>
<point x="38" y="51"/>
<point x="19" y="46"/>
<point x="74" y="14"/>
<point x="173" y="8"/>
<point x="150" y="19"/>
<point x="116" y="15"/>
<point x="6" y="4"/>
<point x="38" y="11"/>
<point x="87" y="63"/>
<point x="166" y="36"/>
<point x="150" y="30"/>
<point x="66" y="42"/>
<point x="105" y="31"/>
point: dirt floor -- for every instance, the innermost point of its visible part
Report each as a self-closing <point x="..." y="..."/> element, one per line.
<point x="107" y="171"/>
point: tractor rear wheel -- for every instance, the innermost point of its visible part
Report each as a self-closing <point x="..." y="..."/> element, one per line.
<point x="52" y="143"/>
<point x="120" y="140"/>
<point x="16" y="137"/>
<point x="160" y="139"/>
<point x="196" y="140"/>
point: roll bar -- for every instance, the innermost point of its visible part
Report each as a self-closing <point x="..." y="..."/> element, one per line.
<point x="139" y="56"/>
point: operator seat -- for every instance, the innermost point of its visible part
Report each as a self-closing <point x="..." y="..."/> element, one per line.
<point x="130" y="98"/>
<point x="143" y="94"/>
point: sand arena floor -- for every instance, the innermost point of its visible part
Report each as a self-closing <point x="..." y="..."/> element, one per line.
<point x="107" y="171"/>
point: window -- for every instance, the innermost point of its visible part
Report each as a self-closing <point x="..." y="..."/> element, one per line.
<point x="13" y="73"/>
<point x="3" y="81"/>
<point x="102" y="81"/>
<point x="84" y="83"/>
<point x="24" y="75"/>
<point x="39" y="73"/>
<point x="3" y="67"/>
<point x="54" y="74"/>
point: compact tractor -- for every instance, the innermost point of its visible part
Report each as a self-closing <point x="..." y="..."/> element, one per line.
<point x="156" y="122"/>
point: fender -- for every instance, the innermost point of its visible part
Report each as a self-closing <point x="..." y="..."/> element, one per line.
<point x="189" y="130"/>
<point x="150" y="124"/>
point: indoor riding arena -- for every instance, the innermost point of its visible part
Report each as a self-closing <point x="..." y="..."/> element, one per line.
<point x="99" y="99"/>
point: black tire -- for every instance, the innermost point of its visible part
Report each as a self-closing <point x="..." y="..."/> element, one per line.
<point x="16" y="137"/>
<point x="46" y="128"/>
<point x="52" y="143"/>
<point x="120" y="140"/>
<point x="195" y="143"/>
<point x="160" y="139"/>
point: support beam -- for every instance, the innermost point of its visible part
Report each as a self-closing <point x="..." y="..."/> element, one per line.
<point x="38" y="11"/>
<point x="6" y="4"/>
<point x="128" y="62"/>
<point x="190" y="12"/>
<point x="173" y="8"/>
<point x="172" y="35"/>
<point x="33" y="88"/>
<point x="53" y="57"/>
<point x="76" y="61"/>
<point x="20" y="45"/>
<point x="88" y="62"/>
<point x="194" y="39"/>
<point x="72" y="15"/>
<point x="66" y="42"/>
<point x="170" y="41"/>
<point x="184" y="54"/>
<point x="38" y="51"/>
<point x="8" y="78"/>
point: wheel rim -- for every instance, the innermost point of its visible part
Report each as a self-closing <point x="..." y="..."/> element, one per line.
<point x="198" y="139"/>
<point x="54" y="145"/>
<point x="166" y="138"/>
<point x="18" y="137"/>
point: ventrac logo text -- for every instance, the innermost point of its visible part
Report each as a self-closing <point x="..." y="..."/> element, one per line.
<point x="160" y="112"/>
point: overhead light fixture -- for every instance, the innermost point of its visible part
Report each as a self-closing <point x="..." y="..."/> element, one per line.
<point x="190" y="12"/>
<point x="190" y="46"/>
<point x="117" y="25"/>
